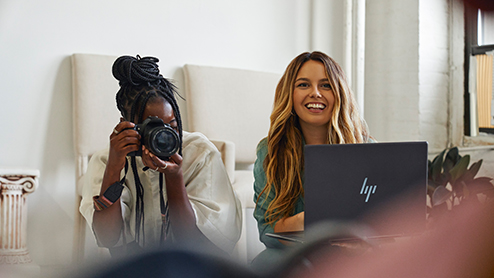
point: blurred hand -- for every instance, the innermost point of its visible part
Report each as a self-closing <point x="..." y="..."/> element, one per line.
<point x="170" y="167"/>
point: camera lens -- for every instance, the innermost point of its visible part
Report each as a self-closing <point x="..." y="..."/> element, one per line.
<point x="164" y="141"/>
<point x="158" y="137"/>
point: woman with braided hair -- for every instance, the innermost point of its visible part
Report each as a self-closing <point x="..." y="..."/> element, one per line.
<point x="145" y="200"/>
<point x="313" y="105"/>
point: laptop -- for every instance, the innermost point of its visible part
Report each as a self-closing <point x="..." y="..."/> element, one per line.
<point x="366" y="184"/>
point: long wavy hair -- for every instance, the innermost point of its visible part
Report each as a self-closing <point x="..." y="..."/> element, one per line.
<point x="284" y="162"/>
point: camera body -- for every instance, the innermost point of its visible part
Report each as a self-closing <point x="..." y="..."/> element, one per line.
<point x="159" y="138"/>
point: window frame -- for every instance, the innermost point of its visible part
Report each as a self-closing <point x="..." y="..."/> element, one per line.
<point x="471" y="49"/>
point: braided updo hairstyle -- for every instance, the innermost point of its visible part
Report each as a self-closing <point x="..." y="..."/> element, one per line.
<point x="141" y="82"/>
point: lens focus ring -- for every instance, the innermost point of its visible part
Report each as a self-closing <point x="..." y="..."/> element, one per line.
<point x="164" y="141"/>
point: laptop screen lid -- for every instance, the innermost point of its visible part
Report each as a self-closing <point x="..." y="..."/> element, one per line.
<point x="361" y="182"/>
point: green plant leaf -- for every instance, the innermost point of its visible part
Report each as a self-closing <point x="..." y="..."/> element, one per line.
<point x="472" y="171"/>
<point x="440" y="195"/>
<point x="452" y="157"/>
<point x="444" y="180"/>
<point x="460" y="168"/>
<point x="468" y="201"/>
<point x="436" y="167"/>
<point x="482" y="185"/>
<point x="439" y="211"/>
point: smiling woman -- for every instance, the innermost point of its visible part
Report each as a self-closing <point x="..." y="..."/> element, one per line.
<point x="313" y="105"/>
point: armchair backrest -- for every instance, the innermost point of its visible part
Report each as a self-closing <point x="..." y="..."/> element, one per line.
<point x="94" y="106"/>
<point x="230" y="104"/>
<point x="94" y="116"/>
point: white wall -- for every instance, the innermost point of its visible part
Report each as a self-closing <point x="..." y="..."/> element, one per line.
<point x="37" y="38"/>
<point x="407" y="77"/>
<point x="433" y="50"/>
<point x="414" y="76"/>
<point x="391" y="70"/>
<point x="327" y="23"/>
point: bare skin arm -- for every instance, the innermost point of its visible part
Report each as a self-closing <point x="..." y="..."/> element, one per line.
<point x="290" y="224"/>
<point x="107" y="224"/>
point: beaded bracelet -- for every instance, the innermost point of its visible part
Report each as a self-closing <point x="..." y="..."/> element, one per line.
<point x="100" y="203"/>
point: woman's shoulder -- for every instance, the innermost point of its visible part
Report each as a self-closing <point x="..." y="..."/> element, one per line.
<point x="371" y="140"/>
<point x="196" y="140"/>
<point x="262" y="146"/>
<point x="100" y="156"/>
<point x="261" y="152"/>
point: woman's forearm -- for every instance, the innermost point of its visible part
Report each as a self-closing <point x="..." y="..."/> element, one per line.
<point x="182" y="217"/>
<point x="107" y="224"/>
<point x="290" y="224"/>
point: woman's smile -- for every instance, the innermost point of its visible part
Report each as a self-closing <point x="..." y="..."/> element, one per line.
<point x="313" y="96"/>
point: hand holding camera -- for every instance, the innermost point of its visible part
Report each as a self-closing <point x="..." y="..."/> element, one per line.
<point x="159" y="138"/>
<point x="153" y="140"/>
<point x="123" y="140"/>
<point x="171" y="166"/>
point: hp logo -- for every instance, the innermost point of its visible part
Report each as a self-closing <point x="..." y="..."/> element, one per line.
<point x="367" y="189"/>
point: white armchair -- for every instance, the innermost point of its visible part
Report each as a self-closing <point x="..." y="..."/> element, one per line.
<point x="233" y="105"/>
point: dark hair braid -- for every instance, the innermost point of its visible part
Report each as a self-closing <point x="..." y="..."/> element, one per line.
<point x="140" y="81"/>
<point x="136" y="70"/>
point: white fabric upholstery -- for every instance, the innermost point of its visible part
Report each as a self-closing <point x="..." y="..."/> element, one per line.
<point x="245" y="193"/>
<point x="233" y="105"/>
<point x="95" y="111"/>
<point x="227" y="150"/>
<point x="95" y="114"/>
<point x="230" y="104"/>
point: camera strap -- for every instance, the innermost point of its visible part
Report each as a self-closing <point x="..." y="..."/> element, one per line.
<point x="165" y="225"/>
<point x="111" y="194"/>
<point x="114" y="192"/>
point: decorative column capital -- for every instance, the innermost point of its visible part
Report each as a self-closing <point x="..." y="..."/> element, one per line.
<point x="15" y="184"/>
<point x="19" y="179"/>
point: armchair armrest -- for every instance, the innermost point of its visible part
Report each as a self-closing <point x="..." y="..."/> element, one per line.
<point x="227" y="150"/>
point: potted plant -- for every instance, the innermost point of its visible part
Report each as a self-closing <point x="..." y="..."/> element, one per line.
<point x="452" y="183"/>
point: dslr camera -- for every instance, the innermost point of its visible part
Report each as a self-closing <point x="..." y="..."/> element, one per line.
<point x="159" y="138"/>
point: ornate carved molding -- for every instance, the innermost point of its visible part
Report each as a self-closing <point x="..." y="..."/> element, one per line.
<point x="26" y="184"/>
<point x="14" y="186"/>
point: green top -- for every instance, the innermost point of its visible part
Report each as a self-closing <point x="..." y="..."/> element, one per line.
<point x="262" y="205"/>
